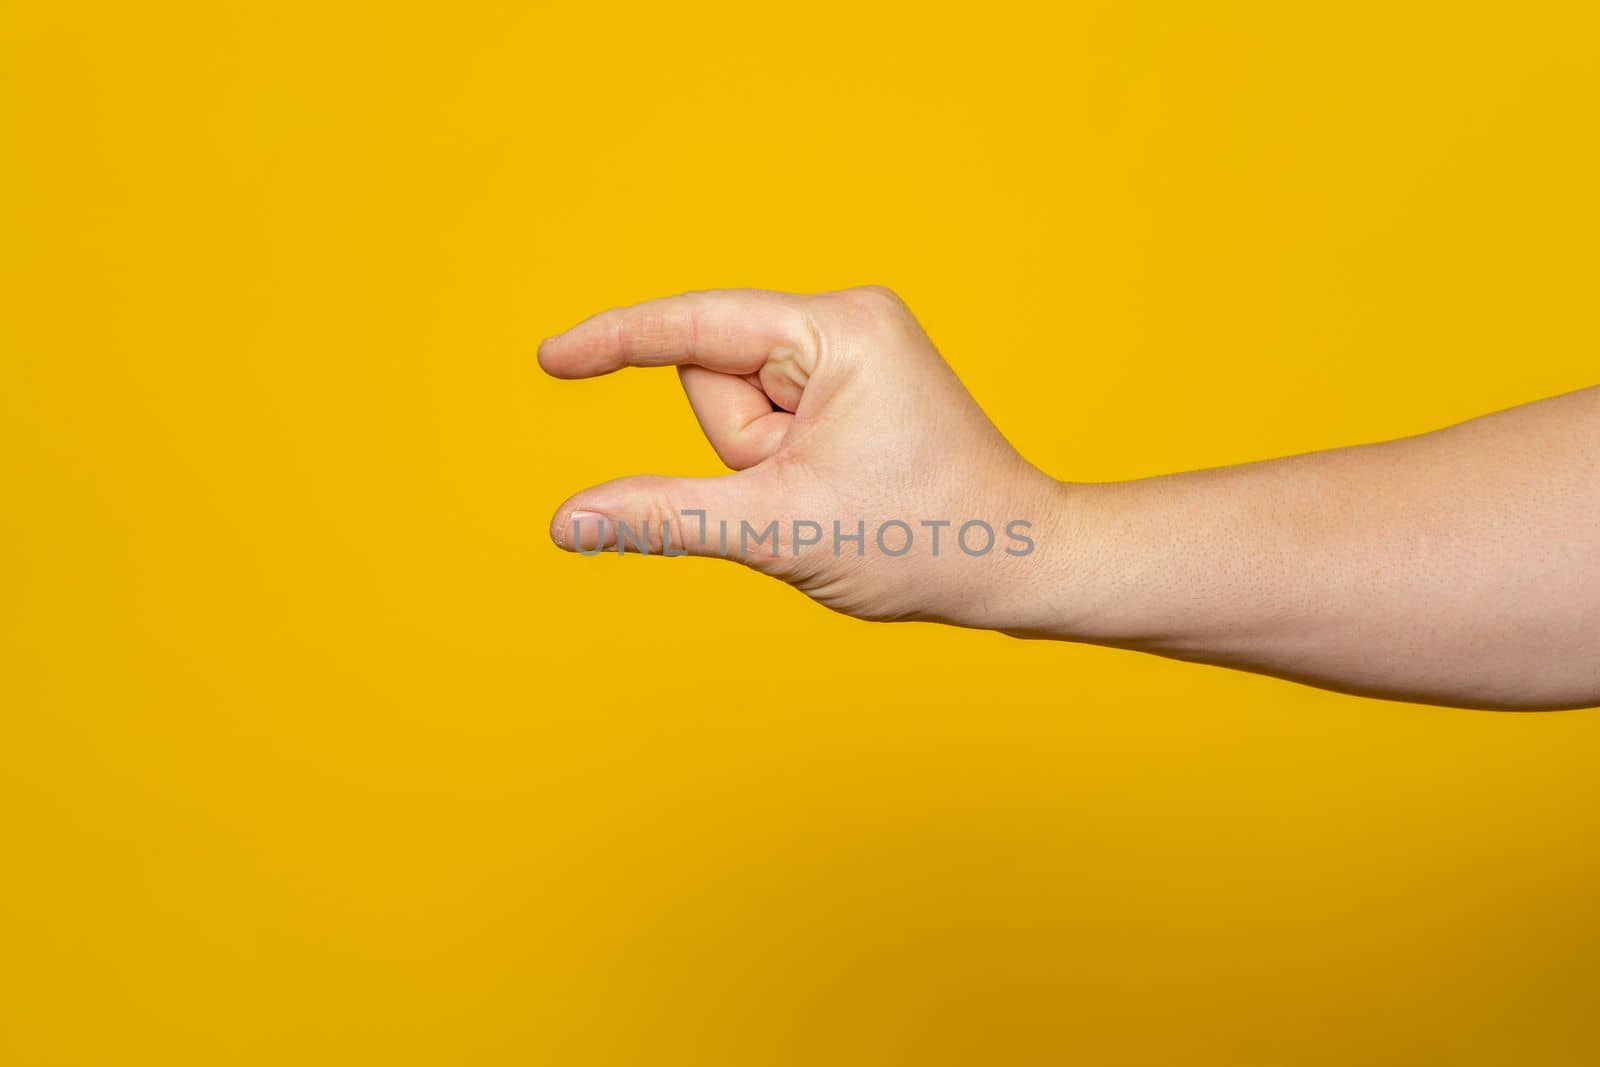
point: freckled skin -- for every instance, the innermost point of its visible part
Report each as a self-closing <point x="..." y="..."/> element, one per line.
<point x="1460" y="567"/>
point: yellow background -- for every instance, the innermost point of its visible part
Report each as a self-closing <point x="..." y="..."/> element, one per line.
<point x="314" y="751"/>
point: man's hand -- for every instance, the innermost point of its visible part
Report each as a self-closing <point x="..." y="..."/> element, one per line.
<point x="848" y="431"/>
<point x="1457" y="567"/>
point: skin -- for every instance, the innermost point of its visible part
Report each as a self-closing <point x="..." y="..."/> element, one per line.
<point x="1459" y="567"/>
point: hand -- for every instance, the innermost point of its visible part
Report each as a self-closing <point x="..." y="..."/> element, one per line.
<point x="1458" y="566"/>
<point x="840" y="418"/>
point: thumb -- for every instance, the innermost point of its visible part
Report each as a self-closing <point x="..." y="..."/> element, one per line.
<point x="668" y="516"/>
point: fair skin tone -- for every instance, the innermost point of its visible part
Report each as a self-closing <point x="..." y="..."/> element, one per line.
<point x="1459" y="567"/>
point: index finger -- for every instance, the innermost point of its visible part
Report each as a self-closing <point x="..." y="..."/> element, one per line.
<point x="728" y="330"/>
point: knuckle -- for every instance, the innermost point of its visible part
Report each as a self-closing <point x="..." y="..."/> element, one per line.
<point x="666" y="524"/>
<point x="644" y="337"/>
<point x="870" y="310"/>
<point x="876" y="298"/>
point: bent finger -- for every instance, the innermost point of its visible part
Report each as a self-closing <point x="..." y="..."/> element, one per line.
<point x="738" y="418"/>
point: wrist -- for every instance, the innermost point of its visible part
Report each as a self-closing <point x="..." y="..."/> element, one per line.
<point x="1048" y="593"/>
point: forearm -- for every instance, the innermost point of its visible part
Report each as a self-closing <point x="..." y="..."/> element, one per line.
<point x="1459" y="567"/>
